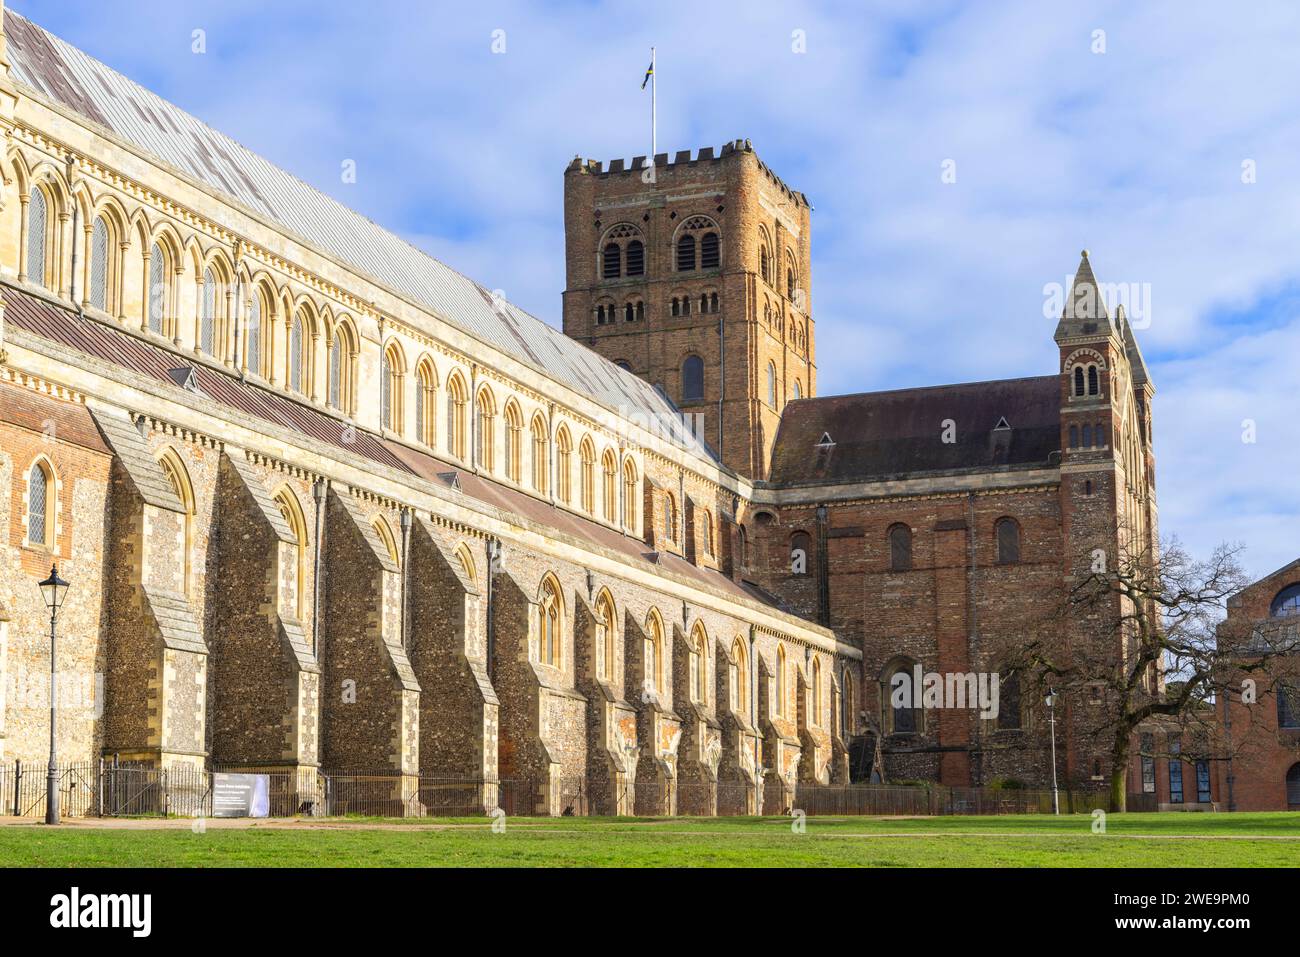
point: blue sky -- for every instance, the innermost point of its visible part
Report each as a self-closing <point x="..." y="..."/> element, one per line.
<point x="1136" y="153"/>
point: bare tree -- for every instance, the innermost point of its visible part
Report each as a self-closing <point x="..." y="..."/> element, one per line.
<point x="1125" y="626"/>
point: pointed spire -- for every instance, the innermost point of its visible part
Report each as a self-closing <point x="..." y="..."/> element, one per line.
<point x="1084" y="312"/>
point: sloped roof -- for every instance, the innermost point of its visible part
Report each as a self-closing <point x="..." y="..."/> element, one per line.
<point x="60" y="72"/>
<point x="893" y="435"/>
<point x="61" y="325"/>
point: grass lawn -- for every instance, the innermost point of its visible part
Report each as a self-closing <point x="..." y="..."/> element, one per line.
<point x="1148" y="840"/>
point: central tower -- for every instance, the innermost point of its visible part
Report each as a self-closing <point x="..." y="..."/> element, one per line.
<point x="694" y="274"/>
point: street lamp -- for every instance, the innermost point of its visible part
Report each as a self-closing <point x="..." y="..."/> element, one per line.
<point x="54" y="590"/>
<point x="1051" y="720"/>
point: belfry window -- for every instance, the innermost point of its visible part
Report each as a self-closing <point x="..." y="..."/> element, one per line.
<point x="686" y="254"/>
<point x="612" y="261"/>
<point x="709" y="253"/>
<point x="635" y="258"/>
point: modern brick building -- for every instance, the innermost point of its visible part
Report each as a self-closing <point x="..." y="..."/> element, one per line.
<point x="327" y="503"/>
<point x="1261" y="729"/>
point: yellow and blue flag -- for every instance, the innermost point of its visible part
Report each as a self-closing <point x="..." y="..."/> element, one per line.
<point x="649" y="72"/>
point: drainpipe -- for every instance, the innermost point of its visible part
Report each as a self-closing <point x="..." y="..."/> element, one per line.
<point x="405" y="571"/>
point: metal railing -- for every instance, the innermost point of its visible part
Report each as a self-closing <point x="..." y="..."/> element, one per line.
<point x="111" y="788"/>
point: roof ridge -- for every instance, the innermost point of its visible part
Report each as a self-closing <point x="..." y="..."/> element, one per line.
<point x="920" y="388"/>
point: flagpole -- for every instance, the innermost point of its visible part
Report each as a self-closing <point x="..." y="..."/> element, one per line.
<point x="654" y="141"/>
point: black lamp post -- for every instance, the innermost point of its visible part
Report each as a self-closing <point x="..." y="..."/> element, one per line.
<point x="54" y="590"/>
<point x="1051" y="720"/>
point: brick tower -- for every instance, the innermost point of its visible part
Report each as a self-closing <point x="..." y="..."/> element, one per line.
<point x="694" y="274"/>
<point x="1108" y="504"/>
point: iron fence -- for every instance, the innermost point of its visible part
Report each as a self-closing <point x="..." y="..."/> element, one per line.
<point x="118" y="789"/>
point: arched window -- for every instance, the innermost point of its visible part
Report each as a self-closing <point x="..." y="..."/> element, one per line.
<point x="693" y="379"/>
<point x="514" y="442"/>
<point x="789" y="283"/>
<point x="635" y="258"/>
<point x="157" y="303"/>
<point x="742" y="545"/>
<point x="255" y="334"/>
<point x="670" y="517"/>
<point x="709" y="252"/>
<point x="781" y="687"/>
<point x="386" y="539"/>
<point x="1074" y="436"/>
<point x="1293" y="788"/>
<point x="335" y="396"/>
<point x="41" y="488"/>
<point x="815" y="705"/>
<point x="900" y="548"/>
<point x="1079" y="388"/>
<point x="800" y="546"/>
<point x="738" y="677"/>
<point x="392" y="390"/>
<point x="1093" y="385"/>
<point x="426" y="402"/>
<point x="587" y="478"/>
<point x="697" y="664"/>
<point x="456" y="399"/>
<point x="706" y="530"/>
<point x="100" y="264"/>
<point x="550" y="633"/>
<point x="765" y="264"/>
<point x="1087" y="436"/>
<point x="629" y="495"/>
<point x="297" y="344"/>
<point x="609" y="488"/>
<point x="176" y="474"/>
<point x="208" y="316"/>
<point x="677" y="306"/>
<point x="564" y="466"/>
<point x="1008" y="541"/>
<point x="485" y="435"/>
<point x="771" y="384"/>
<point x="898" y="691"/>
<point x="541" y="455"/>
<point x="1286" y="603"/>
<point x="629" y="313"/>
<point x="38" y="220"/>
<point x="613" y="261"/>
<point x="605" y="635"/>
<point x="287" y="502"/>
<point x="686" y="253"/>
<point x="653" y="654"/>
<point x="1009" y="701"/>
<point x="797" y="390"/>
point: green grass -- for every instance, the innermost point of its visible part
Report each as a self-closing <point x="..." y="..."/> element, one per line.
<point x="1147" y="840"/>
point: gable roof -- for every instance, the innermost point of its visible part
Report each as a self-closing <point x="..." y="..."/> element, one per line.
<point x="891" y="435"/>
<point x="60" y="72"/>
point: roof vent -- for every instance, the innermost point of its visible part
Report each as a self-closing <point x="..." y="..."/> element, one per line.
<point x="186" y="379"/>
<point x="825" y="441"/>
<point x="451" y="478"/>
<point x="1003" y="425"/>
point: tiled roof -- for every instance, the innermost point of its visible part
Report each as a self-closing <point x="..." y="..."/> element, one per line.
<point x="61" y="72"/>
<point x="894" y="435"/>
<point x="32" y="410"/>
